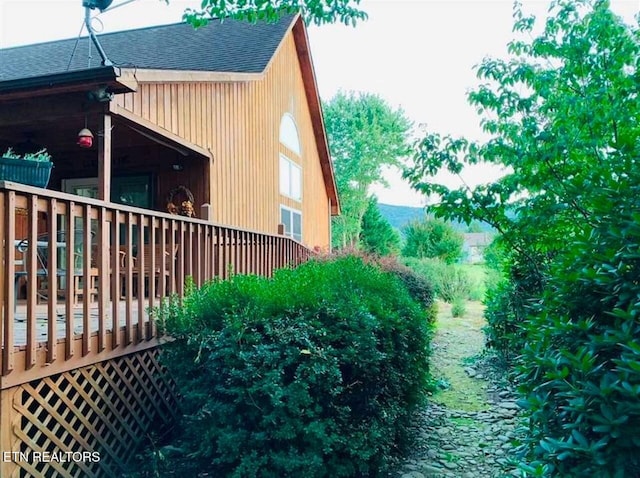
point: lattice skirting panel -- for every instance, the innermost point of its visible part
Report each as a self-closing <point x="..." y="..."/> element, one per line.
<point x="89" y="422"/>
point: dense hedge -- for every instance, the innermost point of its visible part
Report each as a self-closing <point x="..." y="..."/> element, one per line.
<point x="312" y="373"/>
<point x="511" y="302"/>
<point x="580" y="369"/>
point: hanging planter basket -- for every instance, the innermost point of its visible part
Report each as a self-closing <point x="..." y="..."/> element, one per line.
<point x="33" y="173"/>
<point x="180" y="201"/>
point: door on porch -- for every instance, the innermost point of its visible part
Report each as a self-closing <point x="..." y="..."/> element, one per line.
<point x="132" y="191"/>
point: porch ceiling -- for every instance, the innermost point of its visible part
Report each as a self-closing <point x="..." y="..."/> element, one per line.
<point x="54" y="123"/>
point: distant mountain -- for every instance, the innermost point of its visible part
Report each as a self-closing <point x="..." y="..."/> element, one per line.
<point x="400" y="216"/>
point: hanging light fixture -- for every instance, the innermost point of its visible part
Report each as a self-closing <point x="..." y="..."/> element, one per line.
<point x="85" y="136"/>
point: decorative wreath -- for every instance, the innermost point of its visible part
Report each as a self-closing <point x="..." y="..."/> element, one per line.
<point x="180" y="201"/>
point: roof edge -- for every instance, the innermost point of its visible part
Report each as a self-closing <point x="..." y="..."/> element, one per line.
<point x="148" y="75"/>
<point x="301" y="40"/>
<point x="68" y="80"/>
<point x="289" y="29"/>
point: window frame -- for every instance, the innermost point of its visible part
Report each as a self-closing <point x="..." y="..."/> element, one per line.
<point x="288" y="191"/>
<point x="289" y="134"/>
<point x="91" y="182"/>
<point x="291" y="211"/>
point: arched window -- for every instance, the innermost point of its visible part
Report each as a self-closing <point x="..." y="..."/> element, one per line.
<point x="290" y="176"/>
<point x="289" y="134"/>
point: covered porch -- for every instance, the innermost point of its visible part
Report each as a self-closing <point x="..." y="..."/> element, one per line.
<point x="131" y="161"/>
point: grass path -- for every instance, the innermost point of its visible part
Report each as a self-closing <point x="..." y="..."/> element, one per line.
<point x="468" y="428"/>
<point x="456" y="343"/>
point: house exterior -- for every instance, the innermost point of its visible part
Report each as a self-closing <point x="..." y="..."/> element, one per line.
<point x="230" y="111"/>
<point x="474" y="245"/>
<point x="224" y="120"/>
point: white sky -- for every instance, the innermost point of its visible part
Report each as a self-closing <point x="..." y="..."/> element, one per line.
<point x="416" y="54"/>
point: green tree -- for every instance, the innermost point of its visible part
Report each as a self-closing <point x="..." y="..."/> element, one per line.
<point x="433" y="238"/>
<point x="475" y="226"/>
<point x="377" y="236"/>
<point x="316" y="11"/>
<point x="562" y="115"/>
<point x="365" y="134"/>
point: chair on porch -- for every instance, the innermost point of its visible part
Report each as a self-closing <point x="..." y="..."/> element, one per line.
<point x="92" y="281"/>
<point x="42" y="272"/>
<point x="81" y="284"/>
<point x="155" y="251"/>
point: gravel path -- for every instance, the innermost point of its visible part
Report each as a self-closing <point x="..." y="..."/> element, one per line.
<point x="470" y="428"/>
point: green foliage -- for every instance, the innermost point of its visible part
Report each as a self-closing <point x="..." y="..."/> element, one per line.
<point x="475" y="226"/>
<point x="562" y="116"/>
<point x="449" y="280"/>
<point x="377" y="236"/>
<point x="418" y="286"/>
<point x="365" y="134"/>
<point x="478" y="276"/>
<point x="433" y="238"/>
<point x="312" y="373"/>
<point x="496" y="255"/>
<point x="458" y="307"/>
<point x="581" y="367"/>
<point x="40" y="156"/>
<point x="316" y="11"/>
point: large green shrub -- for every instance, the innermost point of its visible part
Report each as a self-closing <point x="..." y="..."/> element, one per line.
<point x="581" y="365"/>
<point x="313" y="373"/>
<point x="510" y="301"/>
<point x="419" y="286"/>
<point x="432" y="238"/>
<point x="450" y="281"/>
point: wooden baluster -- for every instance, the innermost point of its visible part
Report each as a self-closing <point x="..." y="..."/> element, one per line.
<point x="116" y="278"/>
<point x="52" y="291"/>
<point x="8" y="343"/>
<point x="153" y="266"/>
<point x="31" y="257"/>
<point x="103" y="285"/>
<point x="128" y="302"/>
<point x="86" y="279"/>
<point x="141" y="268"/>
<point x="69" y="239"/>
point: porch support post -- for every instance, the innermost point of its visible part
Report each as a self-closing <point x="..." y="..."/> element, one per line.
<point x="104" y="159"/>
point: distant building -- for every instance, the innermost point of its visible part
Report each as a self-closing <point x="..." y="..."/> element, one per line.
<point x="474" y="245"/>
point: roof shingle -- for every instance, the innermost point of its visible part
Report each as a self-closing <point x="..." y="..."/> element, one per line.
<point x="229" y="46"/>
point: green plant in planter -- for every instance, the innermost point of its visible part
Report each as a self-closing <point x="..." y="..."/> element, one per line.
<point x="33" y="169"/>
<point x="40" y="156"/>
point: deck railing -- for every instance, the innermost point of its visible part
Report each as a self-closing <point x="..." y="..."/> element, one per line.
<point x="101" y="267"/>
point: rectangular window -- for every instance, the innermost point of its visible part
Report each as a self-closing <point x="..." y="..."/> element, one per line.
<point x="292" y="221"/>
<point x="290" y="179"/>
<point x="129" y="190"/>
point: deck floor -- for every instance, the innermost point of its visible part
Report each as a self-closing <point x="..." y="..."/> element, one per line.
<point x="42" y="320"/>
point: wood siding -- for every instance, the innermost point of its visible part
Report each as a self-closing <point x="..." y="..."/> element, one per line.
<point x="239" y="123"/>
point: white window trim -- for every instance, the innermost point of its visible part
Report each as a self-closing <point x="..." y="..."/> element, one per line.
<point x="292" y="165"/>
<point x="293" y="143"/>
<point x="291" y="211"/>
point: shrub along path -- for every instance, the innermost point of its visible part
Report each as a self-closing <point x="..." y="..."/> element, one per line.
<point x="468" y="430"/>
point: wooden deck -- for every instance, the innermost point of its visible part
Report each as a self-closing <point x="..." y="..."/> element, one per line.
<point x="127" y="258"/>
<point x="42" y="321"/>
<point x="80" y="374"/>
